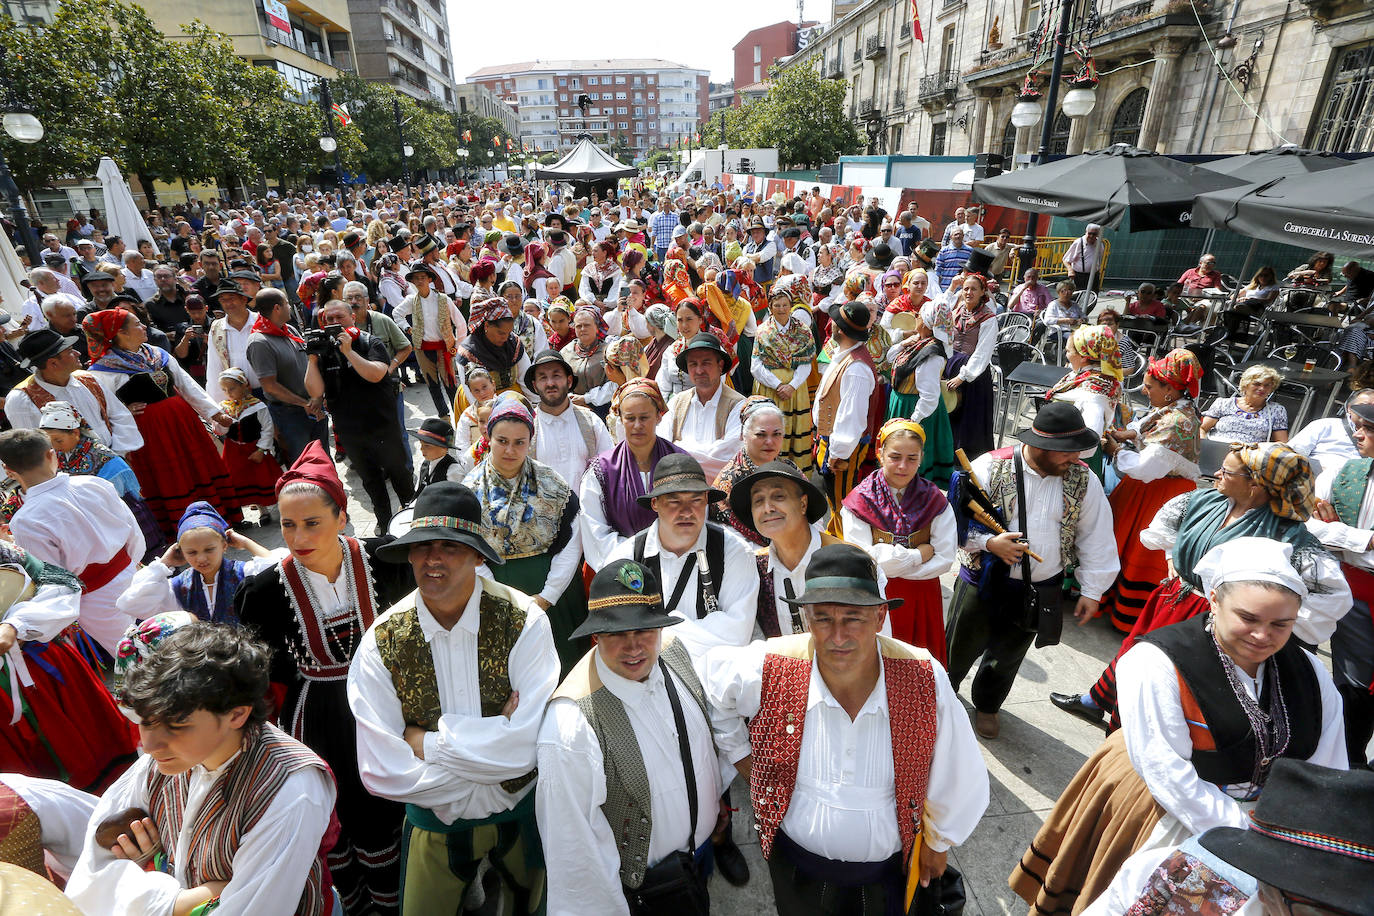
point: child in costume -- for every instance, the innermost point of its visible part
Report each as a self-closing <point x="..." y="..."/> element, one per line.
<point x="435" y="436"/>
<point x="248" y="443"/>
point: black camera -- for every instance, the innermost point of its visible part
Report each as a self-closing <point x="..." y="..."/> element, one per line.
<point x="322" y="341"/>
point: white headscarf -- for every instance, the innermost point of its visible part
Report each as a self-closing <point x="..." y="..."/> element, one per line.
<point x="1251" y="560"/>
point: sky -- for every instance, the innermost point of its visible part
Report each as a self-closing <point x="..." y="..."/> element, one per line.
<point x="700" y="34"/>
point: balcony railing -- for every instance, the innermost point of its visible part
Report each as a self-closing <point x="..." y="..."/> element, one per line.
<point x="876" y="47"/>
<point x="833" y="70"/>
<point x="937" y="84"/>
<point x="899" y="98"/>
<point x="905" y="31"/>
<point x="868" y="110"/>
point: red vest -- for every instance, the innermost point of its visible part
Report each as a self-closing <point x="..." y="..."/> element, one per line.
<point x="775" y="733"/>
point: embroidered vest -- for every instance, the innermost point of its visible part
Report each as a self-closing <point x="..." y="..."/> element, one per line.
<point x="417" y="319"/>
<point x="42" y="397"/>
<point x="766" y="614"/>
<point x="585" y="427"/>
<point x="729" y="397"/>
<point x="1002" y="490"/>
<point x="21" y="840"/>
<point x="240" y="798"/>
<point x="829" y="393"/>
<point x="323" y="649"/>
<point x="1348" y="489"/>
<point x="776" y="731"/>
<point x="406" y="654"/>
<point x="191" y="596"/>
<point x="628" y="807"/>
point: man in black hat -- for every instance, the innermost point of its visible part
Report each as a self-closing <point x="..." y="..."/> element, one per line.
<point x="1308" y="851"/>
<point x="629" y="778"/>
<point x="872" y="782"/>
<point x="449" y="688"/>
<point x="58" y="376"/>
<point x="512" y="251"/>
<point x="567" y="435"/>
<point x="762" y="250"/>
<point x="843" y="408"/>
<point x="793" y="243"/>
<point x="99" y="288"/>
<point x="435" y="327"/>
<point x="561" y="262"/>
<point x="1004" y="599"/>
<point x="781" y="505"/>
<point x="431" y="255"/>
<point x="228" y="339"/>
<point x="704" y="420"/>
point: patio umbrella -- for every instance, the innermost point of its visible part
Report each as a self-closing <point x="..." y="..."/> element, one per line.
<point x="1103" y="186"/>
<point x="121" y="213"/>
<point x="1320" y="210"/>
<point x="1259" y="166"/>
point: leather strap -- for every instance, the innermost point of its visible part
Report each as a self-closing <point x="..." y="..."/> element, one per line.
<point x="684" y="749"/>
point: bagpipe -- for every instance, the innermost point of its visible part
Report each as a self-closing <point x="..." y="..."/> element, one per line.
<point x="974" y="509"/>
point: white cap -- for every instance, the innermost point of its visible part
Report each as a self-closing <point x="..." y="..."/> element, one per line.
<point x="59" y="415"/>
<point x="1250" y="560"/>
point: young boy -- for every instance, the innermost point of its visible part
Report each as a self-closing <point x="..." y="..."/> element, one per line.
<point x="77" y="523"/>
<point x="235" y="809"/>
<point x="435" y="436"/>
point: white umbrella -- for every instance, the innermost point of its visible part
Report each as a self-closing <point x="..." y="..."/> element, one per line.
<point x="12" y="295"/>
<point x="121" y="213"/>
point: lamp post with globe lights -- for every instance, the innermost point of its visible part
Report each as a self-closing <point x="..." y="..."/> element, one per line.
<point x="463" y="160"/>
<point x="21" y="125"/>
<point x="327" y="143"/>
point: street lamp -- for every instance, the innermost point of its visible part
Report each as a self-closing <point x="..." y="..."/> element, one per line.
<point x="406" y="149"/>
<point x="20" y="124"/>
<point x="463" y="160"/>
<point x="327" y="142"/>
<point x="491" y="160"/>
<point x="1027" y="111"/>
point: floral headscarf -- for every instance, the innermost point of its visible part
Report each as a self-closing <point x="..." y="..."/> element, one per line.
<point x="139" y="641"/>
<point x="627" y="355"/>
<point x="1284" y="474"/>
<point x="644" y="386"/>
<point x="601" y="329"/>
<point x="1098" y="343"/>
<point x="1180" y="370"/>
<point x="495" y="308"/>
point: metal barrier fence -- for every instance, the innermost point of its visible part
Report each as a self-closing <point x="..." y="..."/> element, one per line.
<point x="1049" y="259"/>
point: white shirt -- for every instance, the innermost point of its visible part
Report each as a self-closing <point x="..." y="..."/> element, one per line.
<point x="563" y="265"/>
<point x="63" y="813"/>
<point x="75" y="522"/>
<point x="143" y="284"/>
<point x="1098" y="562"/>
<point x="1326" y="444"/>
<point x="697" y="437"/>
<point x="796" y="577"/>
<point x="580" y="854"/>
<point x="905" y="562"/>
<point x="429" y="311"/>
<point x="151" y="593"/>
<point x="270" y="866"/>
<point x="120" y="434"/>
<point x="851" y="418"/>
<point x="236" y="342"/>
<point x="559" y="442"/>
<point x="599" y="539"/>
<point x="635" y="319"/>
<point x="470" y="754"/>
<point x="844" y="804"/>
<point x="737" y="592"/>
<point x="1349" y="542"/>
<point x="671" y="380"/>
<point x="1153" y="461"/>
<point x="1095" y="408"/>
<point x="1157" y="740"/>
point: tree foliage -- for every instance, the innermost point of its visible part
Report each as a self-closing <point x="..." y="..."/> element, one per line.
<point x="801" y="114"/>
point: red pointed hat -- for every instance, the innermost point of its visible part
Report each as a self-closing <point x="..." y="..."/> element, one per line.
<point x="315" y="466"/>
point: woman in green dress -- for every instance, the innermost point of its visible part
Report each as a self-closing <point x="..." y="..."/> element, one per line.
<point x="529" y="516"/>
<point x="917" y="364"/>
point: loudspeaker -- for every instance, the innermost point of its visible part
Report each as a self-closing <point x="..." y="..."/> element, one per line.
<point x="987" y="165"/>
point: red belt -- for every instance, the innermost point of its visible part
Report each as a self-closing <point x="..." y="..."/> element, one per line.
<point x="98" y="575"/>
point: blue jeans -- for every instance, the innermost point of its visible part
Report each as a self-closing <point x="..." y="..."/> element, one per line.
<point x="297" y="428"/>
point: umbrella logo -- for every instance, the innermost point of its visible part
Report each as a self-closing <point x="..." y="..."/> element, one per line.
<point x="1185" y="216"/>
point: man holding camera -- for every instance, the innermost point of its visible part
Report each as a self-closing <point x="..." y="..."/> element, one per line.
<point x="276" y="354"/>
<point x="349" y="368"/>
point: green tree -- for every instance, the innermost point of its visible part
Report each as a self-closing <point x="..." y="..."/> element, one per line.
<point x="801" y="114"/>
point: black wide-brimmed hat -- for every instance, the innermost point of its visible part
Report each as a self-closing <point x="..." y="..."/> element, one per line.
<point x="623" y="596"/>
<point x="425" y="244"/>
<point x="352" y="239"/>
<point x="742" y="493"/>
<point x="842" y="574"/>
<point x="420" y="267"/>
<point x="1310" y="835"/>
<point x="444" y="511"/>
<point x="704" y="340"/>
<point x="679" y="473"/>
<point x="228" y="287"/>
<point x="435" y="431"/>
<point x="1059" y="427"/>
<point x="979" y="262"/>
<point x="36" y="347"/>
<point x="555" y="215"/>
<point x="928" y="249"/>
<point x="512" y="245"/>
<point x="544" y="357"/>
<point x="880" y="256"/>
<point x="851" y="318"/>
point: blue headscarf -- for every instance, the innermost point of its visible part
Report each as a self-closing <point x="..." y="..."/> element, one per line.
<point x="201" y="515"/>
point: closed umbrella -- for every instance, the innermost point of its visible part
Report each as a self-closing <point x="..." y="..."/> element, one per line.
<point x="121" y="213"/>
<point x="12" y="294"/>
<point x="1103" y="186"/>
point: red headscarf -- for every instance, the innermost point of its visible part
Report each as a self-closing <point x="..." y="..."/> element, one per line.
<point x="101" y="328"/>
<point x="315" y="466"/>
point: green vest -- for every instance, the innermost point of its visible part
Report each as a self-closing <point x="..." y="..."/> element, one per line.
<point x="1347" y="490"/>
<point x="406" y="654"/>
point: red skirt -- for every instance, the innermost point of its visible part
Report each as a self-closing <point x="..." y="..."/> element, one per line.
<point x="1134" y="505"/>
<point x="254" y="482"/>
<point x="179" y="464"/>
<point x="71" y="729"/>
<point x="920" y="621"/>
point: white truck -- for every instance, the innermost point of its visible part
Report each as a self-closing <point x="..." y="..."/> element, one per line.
<point x="709" y="164"/>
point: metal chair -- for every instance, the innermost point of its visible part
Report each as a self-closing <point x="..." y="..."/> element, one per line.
<point x="1014" y="327"/>
<point x="1005" y="358"/>
<point x="1211" y="453"/>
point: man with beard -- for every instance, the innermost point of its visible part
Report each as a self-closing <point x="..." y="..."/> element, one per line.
<point x="567" y="436"/>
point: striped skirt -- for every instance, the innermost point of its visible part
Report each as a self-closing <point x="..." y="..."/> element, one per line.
<point x="1134" y="505"/>
<point x="796" y="419"/>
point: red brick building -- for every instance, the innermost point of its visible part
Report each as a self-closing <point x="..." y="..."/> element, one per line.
<point x="759" y="50"/>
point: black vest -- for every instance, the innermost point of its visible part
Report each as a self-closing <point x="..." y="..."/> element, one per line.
<point x="434" y="473"/>
<point x="715" y="564"/>
<point x="1189" y="647"/>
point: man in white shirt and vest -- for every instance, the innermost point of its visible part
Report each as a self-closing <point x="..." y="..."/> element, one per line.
<point x="229" y="339"/>
<point x="704" y="420"/>
<point x="567" y="435"/>
<point x="843" y="404"/>
<point x="1004" y="599"/>
<point x="448" y="688"/>
<point x="862" y="767"/>
<point x="629" y="777"/>
<point x="58" y="376"/>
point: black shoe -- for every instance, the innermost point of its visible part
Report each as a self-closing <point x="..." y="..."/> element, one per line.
<point x="1072" y="703"/>
<point x="730" y="862"/>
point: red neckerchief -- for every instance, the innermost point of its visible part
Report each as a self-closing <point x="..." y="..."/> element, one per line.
<point x="272" y="330"/>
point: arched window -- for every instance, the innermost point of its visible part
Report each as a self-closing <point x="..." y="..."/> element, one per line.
<point x="1059" y="136"/>
<point x="1009" y="145"/>
<point x="1128" y="118"/>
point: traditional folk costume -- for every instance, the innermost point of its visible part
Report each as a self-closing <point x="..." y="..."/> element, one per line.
<point x="918" y="365"/>
<point x="472" y="794"/>
<point x="843" y="410"/>
<point x="252" y="430"/>
<point x="705" y="430"/>
<point x="62" y="723"/>
<point x="42" y="823"/>
<point x="314" y="627"/>
<point x="107" y="419"/>
<point x="997" y="611"/>
<point x="735" y="470"/>
<point x="179" y="462"/>
<point x="842" y="805"/>
<point x="891" y="525"/>
<point x="435" y="326"/>
<point x="506" y="363"/>
<point x="1198" y="734"/>
<point x="532" y="523"/>
<point x="628" y="770"/>
<point x="567" y="441"/>
<point x="1161" y="465"/>
<point x="589" y="364"/>
<point x="1190" y="525"/>
<point x="672" y="377"/>
<point x="1096" y="388"/>
<point x="973" y="338"/>
<point x="786" y="354"/>
<point x="437" y="431"/>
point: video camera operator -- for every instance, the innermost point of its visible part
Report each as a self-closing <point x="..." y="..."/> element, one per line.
<point x="349" y="369"/>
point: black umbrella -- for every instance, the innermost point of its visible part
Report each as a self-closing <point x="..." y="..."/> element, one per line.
<point x="1259" y="166"/>
<point x="1102" y="186"/>
<point x="1320" y="210"/>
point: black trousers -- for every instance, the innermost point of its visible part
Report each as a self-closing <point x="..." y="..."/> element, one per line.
<point x="807" y="885"/>
<point x="986" y="626"/>
<point x="379" y="457"/>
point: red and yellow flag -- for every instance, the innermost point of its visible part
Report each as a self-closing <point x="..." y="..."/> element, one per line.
<point x="916" y="22"/>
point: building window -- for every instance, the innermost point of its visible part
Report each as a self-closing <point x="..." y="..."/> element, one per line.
<point x="1059" y="135"/>
<point x="1030" y="16"/>
<point x="562" y="81"/>
<point x="621" y="110"/>
<point x="639" y="112"/>
<point x="1009" y="145"/>
<point x="624" y="126"/>
<point x="1128" y="118"/>
<point x="576" y="83"/>
<point x="591" y="81"/>
<point x="562" y="96"/>
<point x="758" y="54"/>
<point x="620" y="95"/>
<point x="1345" y="119"/>
<point x="947" y="49"/>
<point x="564" y="112"/>
<point x="758" y="73"/>
<point x="653" y="109"/>
<point x="620" y="80"/>
<point x="895" y="143"/>
<point x="937" y="139"/>
<point x="653" y="125"/>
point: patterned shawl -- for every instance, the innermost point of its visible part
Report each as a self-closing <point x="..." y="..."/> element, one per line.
<point x="1199" y="530"/>
<point x="874" y="501"/>
<point x="520" y="517"/>
<point x="1176" y="427"/>
<point x="785" y="347"/>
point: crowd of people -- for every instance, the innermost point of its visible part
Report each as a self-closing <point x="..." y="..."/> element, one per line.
<point x="696" y="465"/>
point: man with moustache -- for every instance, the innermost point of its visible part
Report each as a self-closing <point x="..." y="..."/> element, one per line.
<point x="704" y="420"/>
<point x="567" y="436"/>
